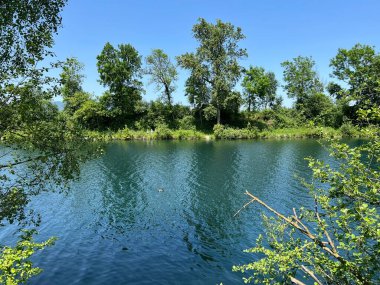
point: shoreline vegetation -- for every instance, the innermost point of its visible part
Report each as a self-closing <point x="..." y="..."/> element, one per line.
<point x="221" y="132"/>
<point x="226" y="101"/>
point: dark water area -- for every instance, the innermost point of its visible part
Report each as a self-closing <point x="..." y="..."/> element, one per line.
<point x="163" y="212"/>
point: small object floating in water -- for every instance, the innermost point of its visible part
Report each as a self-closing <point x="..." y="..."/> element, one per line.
<point x="160" y="190"/>
<point x="124" y="248"/>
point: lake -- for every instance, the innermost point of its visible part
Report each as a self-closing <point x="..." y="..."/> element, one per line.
<point x="163" y="212"/>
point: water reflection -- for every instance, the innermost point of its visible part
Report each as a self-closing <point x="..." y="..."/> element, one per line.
<point x="162" y="212"/>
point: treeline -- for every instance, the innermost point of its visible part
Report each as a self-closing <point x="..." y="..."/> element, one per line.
<point x="211" y="87"/>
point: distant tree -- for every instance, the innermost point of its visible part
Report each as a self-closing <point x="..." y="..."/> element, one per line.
<point x="71" y="81"/>
<point x="163" y="73"/>
<point x="214" y="66"/>
<point x="301" y="80"/>
<point x="259" y="88"/>
<point x="316" y="105"/>
<point x="75" y="102"/>
<point x="198" y="95"/>
<point x="71" y="77"/>
<point x="90" y="114"/>
<point x="359" y="68"/>
<point x="335" y="90"/>
<point x="120" y="70"/>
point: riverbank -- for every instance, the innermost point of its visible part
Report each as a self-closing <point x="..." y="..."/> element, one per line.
<point x="221" y="132"/>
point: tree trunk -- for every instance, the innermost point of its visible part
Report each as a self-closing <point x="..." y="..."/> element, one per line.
<point x="168" y="95"/>
<point x="218" y="115"/>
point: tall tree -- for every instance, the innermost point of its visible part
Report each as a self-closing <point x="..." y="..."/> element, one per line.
<point x="163" y="73"/>
<point x="359" y="69"/>
<point x="215" y="65"/>
<point x="301" y="79"/>
<point x="71" y="81"/>
<point x="259" y="88"/>
<point x="120" y="70"/>
<point x="198" y="94"/>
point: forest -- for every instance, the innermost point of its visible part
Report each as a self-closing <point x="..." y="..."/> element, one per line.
<point x="215" y="104"/>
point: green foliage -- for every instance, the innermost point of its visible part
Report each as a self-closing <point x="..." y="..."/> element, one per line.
<point x="300" y="133"/>
<point x="198" y="93"/>
<point x="156" y="112"/>
<point x="71" y="81"/>
<point x="28" y="119"/>
<point x="210" y="112"/>
<point x="26" y="32"/>
<point x="222" y="132"/>
<point x="90" y="115"/>
<point x="162" y="132"/>
<point x="120" y="70"/>
<point x="259" y="88"/>
<point x="274" y="119"/>
<point x="15" y="264"/>
<point x="187" y="123"/>
<point x="163" y="73"/>
<point x="301" y="80"/>
<point x="214" y="66"/>
<point x="319" y="108"/>
<point x="348" y="129"/>
<point x="39" y="147"/>
<point x="76" y="102"/>
<point x="359" y="68"/>
<point x="338" y="240"/>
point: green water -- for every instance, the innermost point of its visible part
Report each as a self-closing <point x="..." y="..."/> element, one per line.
<point x="162" y="212"/>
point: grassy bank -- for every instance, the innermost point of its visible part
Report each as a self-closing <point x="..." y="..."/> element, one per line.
<point x="221" y="132"/>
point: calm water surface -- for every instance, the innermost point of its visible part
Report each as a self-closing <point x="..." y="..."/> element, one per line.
<point x="162" y="212"/>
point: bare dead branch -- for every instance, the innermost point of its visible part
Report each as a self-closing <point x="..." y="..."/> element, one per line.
<point x="311" y="274"/>
<point x="246" y="205"/>
<point x="296" y="281"/>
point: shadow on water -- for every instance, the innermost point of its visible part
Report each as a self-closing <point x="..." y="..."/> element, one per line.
<point x="163" y="212"/>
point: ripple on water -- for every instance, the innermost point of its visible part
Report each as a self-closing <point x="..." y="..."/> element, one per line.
<point x="116" y="227"/>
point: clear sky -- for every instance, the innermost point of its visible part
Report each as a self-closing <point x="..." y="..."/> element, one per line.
<point x="275" y="30"/>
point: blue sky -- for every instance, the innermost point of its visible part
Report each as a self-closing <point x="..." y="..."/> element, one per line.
<point x="275" y="31"/>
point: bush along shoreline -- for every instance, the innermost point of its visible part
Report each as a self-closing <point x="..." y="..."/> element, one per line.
<point x="221" y="132"/>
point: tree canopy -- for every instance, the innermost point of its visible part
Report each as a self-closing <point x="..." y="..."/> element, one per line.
<point x="120" y="70"/>
<point x="301" y="80"/>
<point x="259" y="88"/>
<point x="359" y="68"/>
<point x="27" y="31"/>
<point x="163" y="73"/>
<point x="214" y="66"/>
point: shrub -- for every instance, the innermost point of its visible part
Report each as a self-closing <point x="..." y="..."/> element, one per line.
<point x="221" y="132"/>
<point x="336" y="240"/>
<point x="348" y="129"/>
<point x="187" y="123"/>
<point x="162" y="132"/>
